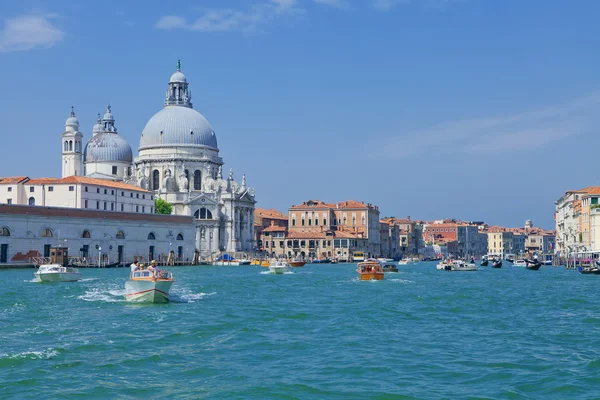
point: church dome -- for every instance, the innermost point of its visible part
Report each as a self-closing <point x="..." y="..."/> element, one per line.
<point x="175" y="125"/>
<point x="107" y="147"/>
<point x="178" y="76"/>
<point x="72" y="121"/>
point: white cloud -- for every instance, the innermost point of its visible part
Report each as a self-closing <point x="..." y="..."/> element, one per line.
<point x="27" y="32"/>
<point x="226" y="19"/>
<point x="334" y="3"/>
<point x="523" y="131"/>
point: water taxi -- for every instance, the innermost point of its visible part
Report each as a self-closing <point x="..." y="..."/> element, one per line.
<point x="296" y="263"/>
<point x="519" y="263"/>
<point x="279" y="267"/>
<point x="389" y="267"/>
<point x="58" y="269"/>
<point x="149" y="286"/>
<point x="370" y="271"/>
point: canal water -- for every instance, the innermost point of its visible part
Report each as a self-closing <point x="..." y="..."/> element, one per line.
<point x="316" y="333"/>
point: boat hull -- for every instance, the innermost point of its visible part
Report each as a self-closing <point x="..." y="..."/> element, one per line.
<point x="277" y="270"/>
<point x="58" y="277"/>
<point x="147" y="291"/>
<point x="297" y="263"/>
<point x="371" y="276"/>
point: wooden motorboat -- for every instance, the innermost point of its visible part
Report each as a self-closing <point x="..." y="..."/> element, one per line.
<point x="58" y="270"/>
<point x="369" y="271"/>
<point x="297" y="263"/>
<point x="149" y="286"/>
<point x="389" y="268"/>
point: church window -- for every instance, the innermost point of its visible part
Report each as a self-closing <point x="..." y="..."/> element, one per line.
<point x="203" y="213"/>
<point x="114" y="169"/>
<point x="32" y="201"/>
<point x="179" y="236"/>
<point x="51" y="188"/>
<point x="197" y="180"/>
<point x="86" y="234"/>
<point x="66" y="147"/>
<point x="10" y="189"/>
<point x="71" y="188"/>
<point x="156" y="180"/>
<point x="120" y="235"/>
<point x="47" y="232"/>
<point x="151" y="236"/>
<point x="31" y="189"/>
<point x="4" y="232"/>
<point x="70" y="145"/>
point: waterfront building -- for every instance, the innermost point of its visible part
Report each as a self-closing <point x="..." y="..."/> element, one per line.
<point x="518" y="246"/>
<point x="273" y="220"/>
<point x="390" y="240"/>
<point x="28" y="232"/>
<point x="178" y="162"/>
<point x="574" y="220"/>
<point x="440" y="232"/>
<point x="470" y="241"/>
<point x="500" y="242"/>
<point x="411" y="235"/>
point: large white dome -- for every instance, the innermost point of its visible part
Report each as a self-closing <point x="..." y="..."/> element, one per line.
<point x="180" y="126"/>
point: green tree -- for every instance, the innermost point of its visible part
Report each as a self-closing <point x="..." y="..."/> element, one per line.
<point x="162" y="207"/>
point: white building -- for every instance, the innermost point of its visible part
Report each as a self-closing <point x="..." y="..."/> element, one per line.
<point x="178" y="161"/>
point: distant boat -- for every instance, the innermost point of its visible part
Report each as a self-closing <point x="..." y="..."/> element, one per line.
<point x="148" y="286"/>
<point x="369" y="271"/>
<point x="519" y="263"/>
<point x="497" y="263"/>
<point x="533" y="265"/>
<point x="279" y="267"/>
<point x="484" y="262"/>
<point x="296" y="263"/>
<point x="588" y="270"/>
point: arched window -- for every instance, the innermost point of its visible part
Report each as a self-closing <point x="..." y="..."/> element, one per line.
<point x="66" y="148"/>
<point x="151" y="236"/>
<point x="203" y="213"/>
<point x="197" y="180"/>
<point x="120" y="235"/>
<point x="47" y="232"/>
<point x="179" y="236"/>
<point x="86" y="234"/>
<point x="32" y="201"/>
<point x="6" y="232"/>
<point x="70" y="145"/>
<point x="156" y="180"/>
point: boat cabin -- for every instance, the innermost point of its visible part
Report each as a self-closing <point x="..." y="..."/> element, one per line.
<point x="59" y="255"/>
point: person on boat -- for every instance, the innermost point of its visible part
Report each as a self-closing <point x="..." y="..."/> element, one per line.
<point x="134" y="266"/>
<point x="154" y="268"/>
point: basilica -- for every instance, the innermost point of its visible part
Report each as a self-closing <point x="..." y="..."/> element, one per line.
<point x="178" y="161"/>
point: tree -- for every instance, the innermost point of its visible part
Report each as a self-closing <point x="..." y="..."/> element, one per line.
<point x="162" y="207"/>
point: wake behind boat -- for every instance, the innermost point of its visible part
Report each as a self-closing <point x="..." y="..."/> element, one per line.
<point x="58" y="270"/>
<point x="145" y="285"/>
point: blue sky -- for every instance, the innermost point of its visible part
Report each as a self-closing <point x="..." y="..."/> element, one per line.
<point x="473" y="109"/>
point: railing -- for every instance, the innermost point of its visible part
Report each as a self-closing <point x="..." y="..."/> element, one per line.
<point x="37" y="261"/>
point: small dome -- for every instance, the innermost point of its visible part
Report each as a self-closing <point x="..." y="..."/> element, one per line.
<point x="179" y="126"/>
<point x="178" y="76"/>
<point x="98" y="126"/>
<point x="108" y="116"/>
<point x="107" y="147"/>
<point x="72" y="120"/>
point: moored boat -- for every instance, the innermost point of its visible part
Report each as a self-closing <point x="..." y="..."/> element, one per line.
<point x="279" y="267"/>
<point x="519" y="263"/>
<point x="358" y="256"/>
<point x="444" y="265"/>
<point x="369" y="270"/>
<point x="497" y="263"/>
<point x="588" y="270"/>
<point x="149" y="286"/>
<point x="58" y="269"/>
<point x="460" y="265"/>
<point x="484" y="262"/>
<point x="533" y="265"/>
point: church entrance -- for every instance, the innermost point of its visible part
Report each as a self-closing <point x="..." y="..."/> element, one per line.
<point x="3" y="253"/>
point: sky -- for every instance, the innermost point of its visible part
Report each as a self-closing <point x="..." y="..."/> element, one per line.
<point x="472" y="109"/>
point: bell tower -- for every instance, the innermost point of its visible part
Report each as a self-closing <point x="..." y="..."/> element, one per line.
<point x="72" y="156"/>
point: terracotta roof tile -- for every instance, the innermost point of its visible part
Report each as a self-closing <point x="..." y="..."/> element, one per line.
<point x="85" y="180"/>
<point x="313" y="204"/>
<point x="13" y="179"/>
<point x="271" y="213"/>
<point x="275" y="229"/>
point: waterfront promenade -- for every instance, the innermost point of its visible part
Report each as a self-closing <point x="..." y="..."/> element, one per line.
<point x="238" y="333"/>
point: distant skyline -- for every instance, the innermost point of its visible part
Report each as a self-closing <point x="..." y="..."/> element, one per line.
<point x="467" y="109"/>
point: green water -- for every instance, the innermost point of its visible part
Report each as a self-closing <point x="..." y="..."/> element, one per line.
<point x="316" y="333"/>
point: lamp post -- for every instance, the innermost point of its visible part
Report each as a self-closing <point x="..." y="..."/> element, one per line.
<point x="99" y="252"/>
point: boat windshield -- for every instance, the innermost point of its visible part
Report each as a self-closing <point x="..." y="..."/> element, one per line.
<point x="150" y="274"/>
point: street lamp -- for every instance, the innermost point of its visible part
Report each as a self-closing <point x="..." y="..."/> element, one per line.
<point x="99" y="252"/>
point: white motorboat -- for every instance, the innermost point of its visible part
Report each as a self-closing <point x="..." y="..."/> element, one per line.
<point x="58" y="269"/>
<point x="57" y="273"/>
<point x="149" y="286"/>
<point x="279" y="267"/>
<point x="519" y="263"/>
<point x="443" y="266"/>
<point x="460" y="265"/>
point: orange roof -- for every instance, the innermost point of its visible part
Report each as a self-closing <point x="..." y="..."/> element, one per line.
<point x="313" y="204"/>
<point x="306" y="235"/>
<point x="271" y="213"/>
<point x="354" y="204"/>
<point x="13" y="179"/>
<point x="397" y="221"/>
<point x="275" y="229"/>
<point x="588" y="190"/>
<point x="85" y="180"/>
